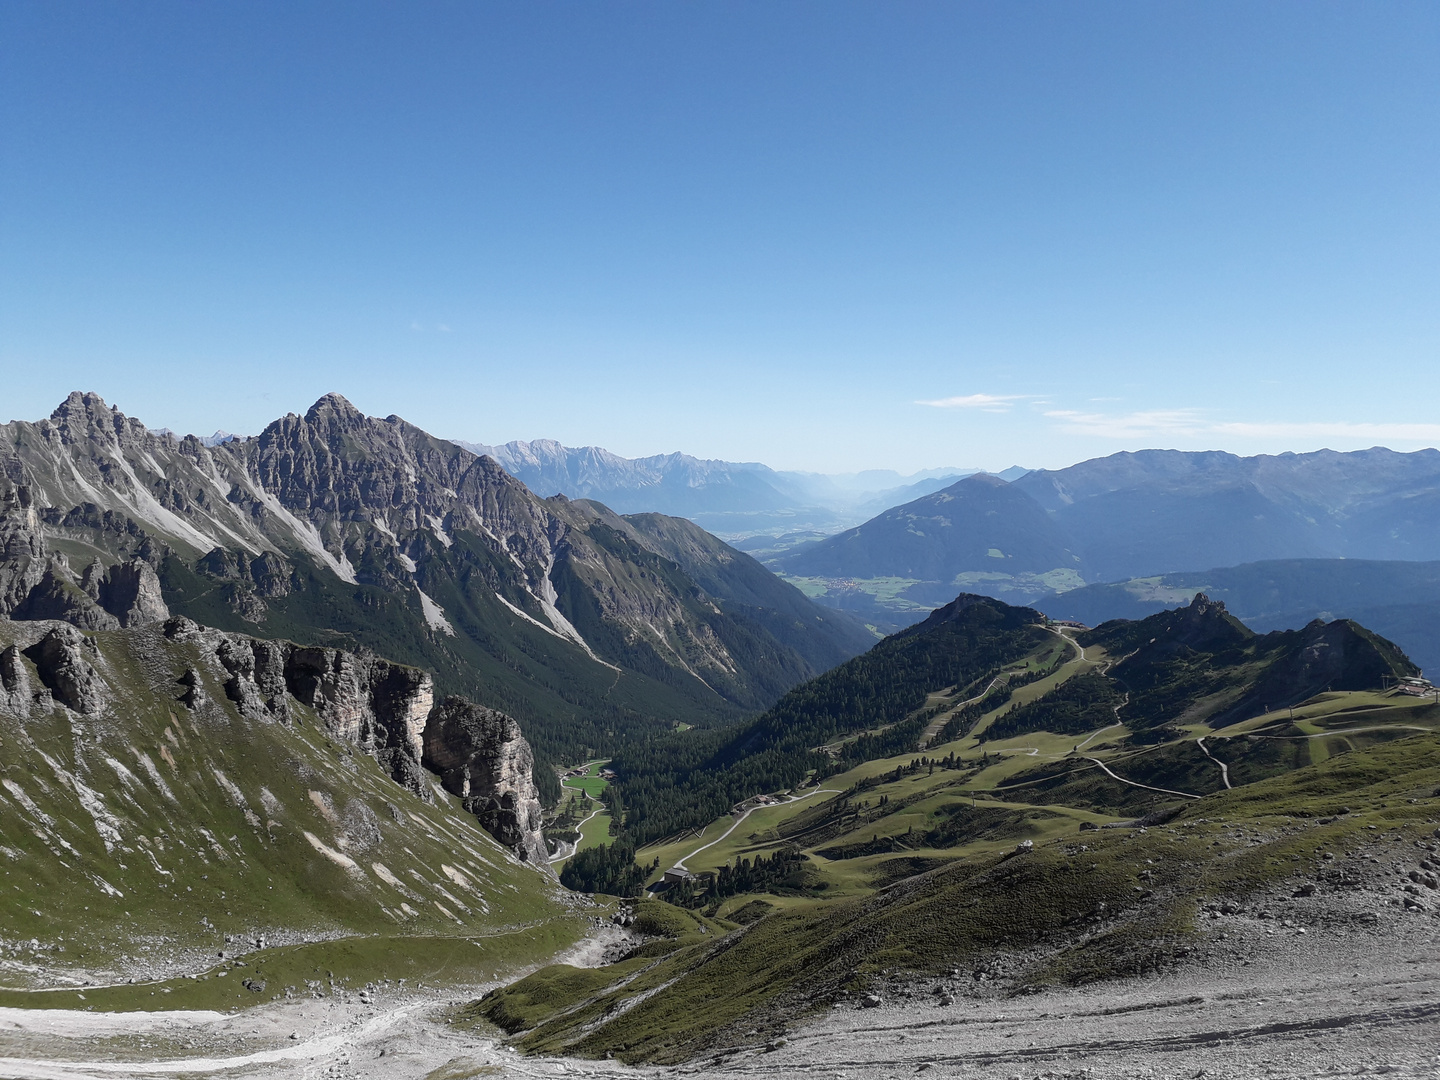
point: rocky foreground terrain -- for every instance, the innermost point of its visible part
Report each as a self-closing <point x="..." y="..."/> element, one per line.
<point x="1337" y="985"/>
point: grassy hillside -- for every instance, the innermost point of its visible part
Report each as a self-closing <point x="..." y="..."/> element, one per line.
<point x="869" y="707"/>
<point x="1035" y="784"/>
<point x="1098" y="904"/>
<point x="139" y="845"/>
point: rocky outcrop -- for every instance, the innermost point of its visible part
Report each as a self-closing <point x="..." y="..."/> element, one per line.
<point x="62" y="660"/>
<point x="14" y="683"/>
<point x="105" y="598"/>
<point x="481" y="756"/>
<point x="257" y="675"/>
<point x="388" y="711"/>
<point x="370" y="702"/>
<point x="58" y="596"/>
<point x="267" y="574"/>
<point x="22" y="547"/>
<point x="130" y="591"/>
<point x="361" y="699"/>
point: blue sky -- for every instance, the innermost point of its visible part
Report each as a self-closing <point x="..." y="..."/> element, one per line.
<point x="828" y="236"/>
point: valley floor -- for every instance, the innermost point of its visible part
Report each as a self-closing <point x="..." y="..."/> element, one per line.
<point x="1261" y="1000"/>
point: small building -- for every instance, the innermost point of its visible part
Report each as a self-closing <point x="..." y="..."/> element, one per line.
<point x="675" y="875"/>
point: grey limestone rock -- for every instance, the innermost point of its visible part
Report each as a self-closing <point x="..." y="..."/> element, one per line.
<point x="61" y="661"/>
<point x="14" y="683"/>
<point x="194" y="694"/>
<point x="368" y="702"/>
<point x="481" y="756"/>
<point x="361" y="699"/>
<point x="57" y="596"/>
<point x="130" y="591"/>
<point x="22" y="547"/>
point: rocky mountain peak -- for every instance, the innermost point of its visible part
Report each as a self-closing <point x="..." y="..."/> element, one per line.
<point x="83" y="416"/>
<point x="334" y="408"/>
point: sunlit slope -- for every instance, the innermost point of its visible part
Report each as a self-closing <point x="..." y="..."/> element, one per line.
<point x="144" y="839"/>
<point x="1096" y="904"/>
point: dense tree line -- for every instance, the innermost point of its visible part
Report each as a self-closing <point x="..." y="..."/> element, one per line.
<point x="783" y="871"/>
<point x="1077" y="705"/>
<point x="611" y="870"/>
<point x="671" y="783"/>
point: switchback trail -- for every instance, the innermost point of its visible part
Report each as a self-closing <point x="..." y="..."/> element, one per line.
<point x="561" y="855"/>
<point x="933" y="728"/>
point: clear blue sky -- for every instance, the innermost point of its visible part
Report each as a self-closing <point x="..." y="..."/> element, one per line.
<point x="759" y="231"/>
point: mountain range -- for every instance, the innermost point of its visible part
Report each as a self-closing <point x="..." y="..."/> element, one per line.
<point x="1126" y="516"/>
<point x="735" y="500"/>
<point x="339" y="529"/>
<point x="1394" y="598"/>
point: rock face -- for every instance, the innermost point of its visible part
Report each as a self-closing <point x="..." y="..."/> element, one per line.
<point x="377" y="705"/>
<point x="482" y="757"/>
<point x="388" y="710"/>
<point x="130" y="591"/>
<point x="22" y="547"/>
<point x="57" y="596"/>
<point x="37" y="585"/>
<point x="14" y="683"/>
<point x="372" y="704"/>
<point x="62" y="658"/>
<point x="104" y="598"/>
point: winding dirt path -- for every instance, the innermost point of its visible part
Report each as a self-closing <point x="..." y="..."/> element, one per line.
<point x="933" y="728"/>
<point x="1224" y="769"/>
<point x="561" y="855"/>
<point x="680" y="863"/>
<point x="1147" y="787"/>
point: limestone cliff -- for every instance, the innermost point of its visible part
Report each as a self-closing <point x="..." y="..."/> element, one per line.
<point x="22" y="546"/>
<point x="482" y="757"/>
<point x="388" y="711"/>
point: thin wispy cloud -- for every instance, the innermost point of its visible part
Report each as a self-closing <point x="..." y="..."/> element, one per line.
<point x="1193" y="423"/>
<point x="1130" y="425"/>
<point x="984" y="402"/>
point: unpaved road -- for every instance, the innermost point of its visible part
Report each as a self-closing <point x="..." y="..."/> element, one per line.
<point x="1133" y="783"/>
<point x="568" y="848"/>
<point x="680" y="864"/>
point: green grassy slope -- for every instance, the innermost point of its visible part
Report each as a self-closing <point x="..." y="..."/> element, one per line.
<point x="143" y="842"/>
<point x="1097" y="904"/>
<point x="685" y="780"/>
